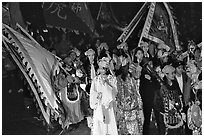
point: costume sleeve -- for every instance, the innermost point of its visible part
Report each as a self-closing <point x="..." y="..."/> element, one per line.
<point x="114" y="86"/>
<point x="93" y="95"/>
<point x="109" y="92"/>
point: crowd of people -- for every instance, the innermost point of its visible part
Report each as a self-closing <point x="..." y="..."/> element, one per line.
<point x="119" y="90"/>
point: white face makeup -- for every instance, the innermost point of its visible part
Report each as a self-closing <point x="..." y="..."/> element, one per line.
<point x="170" y="75"/>
<point x="145" y="48"/>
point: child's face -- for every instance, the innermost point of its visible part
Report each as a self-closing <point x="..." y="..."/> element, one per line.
<point x="139" y="54"/>
<point x="68" y="61"/>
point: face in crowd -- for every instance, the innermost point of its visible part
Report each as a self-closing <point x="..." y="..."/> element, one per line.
<point x="139" y="54"/>
<point x="73" y="56"/>
<point x="179" y="70"/>
<point x="68" y="61"/>
<point x="103" y="65"/>
<point x="91" y="57"/>
<point x="152" y="49"/>
<point x="145" y="48"/>
<point x="97" y="43"/>
<point x="170" y="75"/>
<point x="165" y="59"/>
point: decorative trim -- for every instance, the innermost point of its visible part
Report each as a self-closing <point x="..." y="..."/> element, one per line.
<point x="128" y="30"/>
<point x="148" y="22"/>
<point x="173" y="27"/>
<point x="30" y="76"/>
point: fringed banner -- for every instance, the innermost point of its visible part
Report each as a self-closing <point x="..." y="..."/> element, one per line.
<point x="129" y="29"/>
<point x="159" y="26"/>
<point x="36" y="63"/>
<point x="148" y="22"/>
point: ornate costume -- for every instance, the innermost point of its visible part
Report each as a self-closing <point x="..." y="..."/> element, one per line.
<point x="129" y="112"/>
<point x="102" y="101"/>
<point x="67" y="87"/>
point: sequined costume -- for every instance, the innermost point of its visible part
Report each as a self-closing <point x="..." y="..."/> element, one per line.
<point x="129" y="111"/>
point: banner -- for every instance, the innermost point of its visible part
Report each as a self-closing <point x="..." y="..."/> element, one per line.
<point x="75" y="16"/>
<point x="36" y="63"/>
<point x="107" y="17"/>
<point x="159" y="26"/>
<point x="82" y="11"/>
<point x="15" y="14"/>
<point x="106" y="14"/>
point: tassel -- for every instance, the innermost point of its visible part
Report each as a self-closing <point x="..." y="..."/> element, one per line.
<point x="28" y="70"/>
<point x="16" y="48"/>
<point x="26" y="63"/>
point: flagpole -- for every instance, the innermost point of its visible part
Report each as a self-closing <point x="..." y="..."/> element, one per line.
<point x="46" y="115"/>
<point x="173" y="27"/>
<point x="99" y="11"/>
<point x="128" y="29"/>
<point x="148" y="21"/>
<point x="132" y="29"/>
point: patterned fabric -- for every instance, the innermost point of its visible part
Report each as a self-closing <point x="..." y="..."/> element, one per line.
<point x="72" y="109"/>
<point x="129" y="112"/>
<point x="195" y="119"/>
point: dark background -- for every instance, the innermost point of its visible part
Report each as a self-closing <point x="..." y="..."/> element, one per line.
<point x="188" y="16"/>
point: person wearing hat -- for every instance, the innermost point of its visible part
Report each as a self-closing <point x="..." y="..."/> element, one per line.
<point x="184" y="83"/>
<point x="102" y="99"/>
<point x="174" y="102"/>
<point x="145" y="47"/>
<point x="148" y="86"/>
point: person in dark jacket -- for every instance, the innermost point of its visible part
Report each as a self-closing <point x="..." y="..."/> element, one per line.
<point x="184" y="83"/>
<point x="148" y="86"/>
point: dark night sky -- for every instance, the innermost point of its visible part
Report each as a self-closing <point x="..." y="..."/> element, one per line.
<point x="188" y="14"/>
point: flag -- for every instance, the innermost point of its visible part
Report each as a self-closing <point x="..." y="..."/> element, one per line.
<point x="16" y="15"/>
<point x="36" y="64"/>
<point x="32" y="13"/>
<point x="75" y="16"/>
<point x="159" y="26"/>
<point x="107" y="17"/>
<point x="82" y="11"/>
<point x="5" y="15"/>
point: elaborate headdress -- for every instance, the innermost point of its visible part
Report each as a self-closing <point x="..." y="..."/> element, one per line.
<point x="89" y="52"/>
<point x="103" y="59"/>
<point x="168" y="69"/>
<point x="76" y="51"/>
